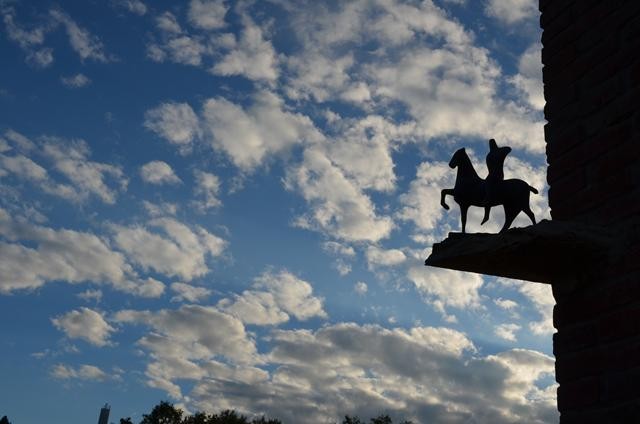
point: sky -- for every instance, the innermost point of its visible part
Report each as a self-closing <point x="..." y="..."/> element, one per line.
<point x="228" y="205"/>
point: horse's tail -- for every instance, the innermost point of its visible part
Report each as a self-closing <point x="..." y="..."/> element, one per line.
<point x="533" y="190"/>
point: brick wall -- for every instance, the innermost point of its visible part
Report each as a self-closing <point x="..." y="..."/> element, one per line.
<point x="591" y="59"/>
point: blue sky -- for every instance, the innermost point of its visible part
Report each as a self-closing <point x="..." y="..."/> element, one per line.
<point x="228" y="205"/>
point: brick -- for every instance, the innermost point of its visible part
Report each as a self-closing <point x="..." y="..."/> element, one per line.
<point x="573" y="311"/>
<point x="568" y="185"/>
<point x="578" y="394"/>
<point x="574" y="339"/>
<point x="619" y="325"/>
<point x="583" y="364"/>
<point x="560" y="142"/>
<point x="609" y="139"/>
<point x="622" y="385"/>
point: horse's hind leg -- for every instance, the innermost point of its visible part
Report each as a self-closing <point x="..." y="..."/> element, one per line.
<point x="530" y="214"/>
<point x="463" y="216"/>
<point x="485" y="218"/>
<point x="509" y="215"/>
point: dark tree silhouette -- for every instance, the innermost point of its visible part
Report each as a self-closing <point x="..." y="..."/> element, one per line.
<point x="197" y="418"/>
<point x="381" y="419"/>
<point x="228" y="417"/>
<point x="163" y="413"/>
<point x="351" y="420"/>
<point x="4" y="420"/>
<point x="263" y="420"/>
<point x="126" y="420"/>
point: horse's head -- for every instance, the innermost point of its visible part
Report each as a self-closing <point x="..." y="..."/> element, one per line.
<point x="457" y="157"/>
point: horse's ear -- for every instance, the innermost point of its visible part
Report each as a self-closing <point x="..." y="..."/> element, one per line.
<point x="492" y="144"/>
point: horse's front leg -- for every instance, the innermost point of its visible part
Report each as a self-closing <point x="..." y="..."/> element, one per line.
<point x="443" y="194"/>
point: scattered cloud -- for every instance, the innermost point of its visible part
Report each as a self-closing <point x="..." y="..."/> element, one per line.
<point x="338" y="249"/>
<point x="207" y="189"/>
<point x="158" y="172"/>
<point x="338" y="207"/>
<point x="32" y="255"/>
<point x="251" y="56"/>
<point x="85" y="44"/>
<point x="185" y="343"/>
<point x="89" y="294"/>
<point x="175" y="122"/>
<point x="188" y="293"/>
<point x="207" y="14"/>
<point x="85" y="324"/>
<point x="173" y="249"/>
<point x="377" y="257"/>
<point x="507" y="331"/>
<point x="248" y="136"/>
<point x="506" y="304"/>
<point x="82" y="372"/>
<point x="76" y="81"/>
<point x="529" y="78"/>
<point x="511" y="11"/>
<point x="425" y="374"/>
<point x="137" y="7"/>
<point x="273" y="298"/>
<point x="361" y="288"/>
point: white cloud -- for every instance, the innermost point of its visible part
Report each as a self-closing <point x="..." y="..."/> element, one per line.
<point x="22" y="167"/>
<point x="83" y="372"/>
<point x="175" y="122"/>
<point x="506" y="304"/>
<point x="86" y="45"/>
<point x="70" y="158"/>
<point x="134" y="6"/>
<point x="185" y="343"/>
<point x="273" y="298"/>
<point x="340" y="249"/>
<point x="360" y="287"/>
<point x="512" y="11"/>
<point x="90" y="294"/>
<point x="207" y="189"/>
<point x="421" y="204"/>
<point x="29" y="40"/>
<point x="158" y="172"/>
<point x="188" y="293"/>
<point x="507" y="331"/>
<point x="377" y="257"/>
<point x="85" y="324"/>
<point x="425" y="374"/>
<point x="207" y="14"/>
<point x="529" y="77"/>
<point x="32" y="255"/>
<point x="252" y="56"/>
<point x="40" y="58"/>
<point x="542" y="298"/>
<point x="160" y="209"/>
<point x="443" y="287"/>
<point x="168" y="23"/>
<point x="363" y="152"/>
<point x="20" y="141"/>
<point x="177" y="45"/>
<point x="338" y="206"/>
<point x="76" y="81"/>
<point x="250" y="135"/>
<point x="176" y="250"/>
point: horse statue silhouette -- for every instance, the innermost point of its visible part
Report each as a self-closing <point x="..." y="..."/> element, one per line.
<point x="471" y="190"/>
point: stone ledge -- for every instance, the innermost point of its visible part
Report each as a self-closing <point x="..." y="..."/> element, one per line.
<point x="549" y="252"/>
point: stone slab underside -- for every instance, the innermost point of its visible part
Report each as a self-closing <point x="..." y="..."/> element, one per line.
<point x="552" y="252"/>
